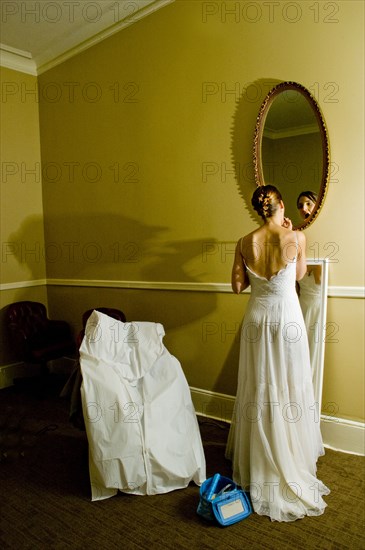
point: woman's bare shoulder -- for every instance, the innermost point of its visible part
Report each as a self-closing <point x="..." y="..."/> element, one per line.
<point x="248" y="239"/>
<point x="300" y="237"/>
<point x="291" y="235"/>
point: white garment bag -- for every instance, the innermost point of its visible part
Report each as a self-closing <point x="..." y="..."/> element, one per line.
<point x="141" y="425"/>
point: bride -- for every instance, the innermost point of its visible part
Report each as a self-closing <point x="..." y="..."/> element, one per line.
<point x="274" y="440"/>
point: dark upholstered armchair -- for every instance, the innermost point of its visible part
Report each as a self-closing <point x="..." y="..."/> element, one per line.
<point x="36" y="338"/>
<point x="112" y="312"/>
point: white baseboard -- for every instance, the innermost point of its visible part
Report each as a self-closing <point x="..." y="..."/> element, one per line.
<point x="343" y="435"/>
<point x="15" y="370"/>
<point x="340" y="434"/>
<point x="8" y="373"/>
<point x="217" y="406"/>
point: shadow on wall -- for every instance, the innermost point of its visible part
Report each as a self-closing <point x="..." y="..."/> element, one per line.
<point x="243" y="132"/>
<point x="226" y="382"/>
<point x="112" y="248"/>
<point x="106" y="247"/>
<point x="242" y="143"/>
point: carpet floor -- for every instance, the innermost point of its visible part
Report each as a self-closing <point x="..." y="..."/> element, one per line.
<point x="45" y="493"/>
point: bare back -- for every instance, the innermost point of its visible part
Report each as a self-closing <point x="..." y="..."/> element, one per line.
<point x="266" y="251"/>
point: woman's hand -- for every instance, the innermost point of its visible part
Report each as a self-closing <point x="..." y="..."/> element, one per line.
<point x="287" y="223"/>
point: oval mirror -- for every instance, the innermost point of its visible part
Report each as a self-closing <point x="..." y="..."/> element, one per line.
<point x="291" y="151"/>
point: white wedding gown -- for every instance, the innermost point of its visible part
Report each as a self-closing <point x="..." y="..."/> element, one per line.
<point x="310" y="302"/>
<point x="275" y="440"/>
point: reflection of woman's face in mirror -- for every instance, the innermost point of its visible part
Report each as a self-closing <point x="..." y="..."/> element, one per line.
<point x="306" y="203"/>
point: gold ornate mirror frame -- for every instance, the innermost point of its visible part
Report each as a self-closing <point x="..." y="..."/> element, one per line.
<point x="282" y="88"/>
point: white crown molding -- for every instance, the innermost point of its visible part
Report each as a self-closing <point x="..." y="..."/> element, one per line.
<point x="291" y="132"/>
<point x="17" y="61"/>
<point x="23" y="61"/>
<point x="333" y="291"/>
<point x="99" y="37"/>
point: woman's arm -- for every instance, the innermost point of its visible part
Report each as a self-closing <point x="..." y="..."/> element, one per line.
<point x="301" y="258"/>
<point x="239" y="279"/>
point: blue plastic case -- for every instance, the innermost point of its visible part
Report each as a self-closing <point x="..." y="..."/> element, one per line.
<point x="222" y="500"/>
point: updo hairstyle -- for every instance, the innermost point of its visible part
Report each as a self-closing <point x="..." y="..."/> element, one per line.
<point x="266" y="200"/>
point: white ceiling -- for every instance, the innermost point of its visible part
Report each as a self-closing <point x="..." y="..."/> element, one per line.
<point x="37" y="35"/>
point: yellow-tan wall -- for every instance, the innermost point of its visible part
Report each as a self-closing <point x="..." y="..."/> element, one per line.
<point x="140" y="136"/>
<point x="22" y="235"/>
